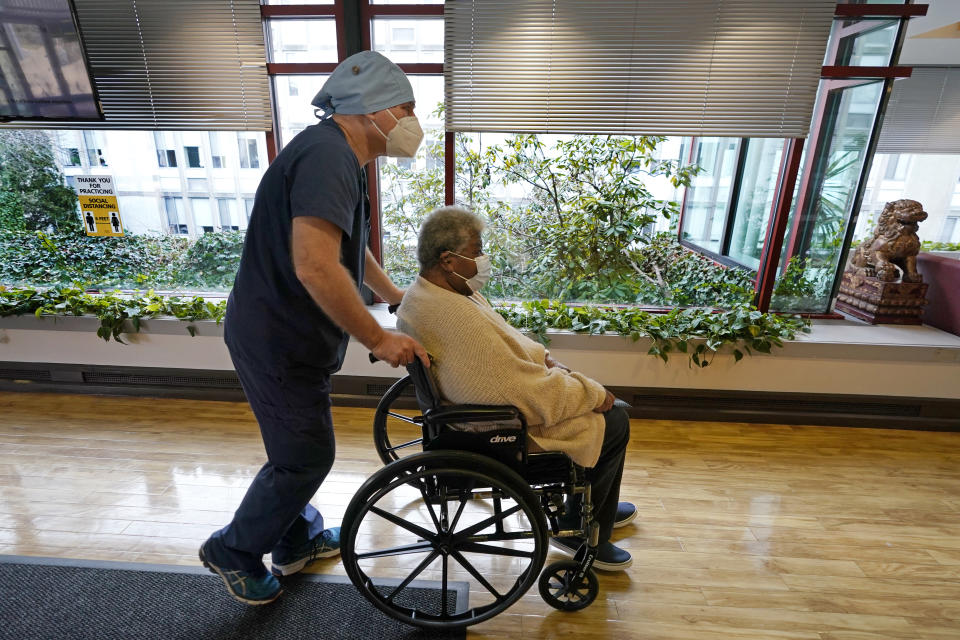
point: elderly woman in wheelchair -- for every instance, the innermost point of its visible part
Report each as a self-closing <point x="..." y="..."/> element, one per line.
<point x="500" y="420"/>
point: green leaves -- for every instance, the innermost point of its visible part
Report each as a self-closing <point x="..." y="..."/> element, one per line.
<point x="118" y="313"/>
<point x="210" y="263"/>
<point x="699" y="333"/>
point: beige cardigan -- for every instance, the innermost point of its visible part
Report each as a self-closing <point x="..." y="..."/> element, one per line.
<point x="480" y="359"/>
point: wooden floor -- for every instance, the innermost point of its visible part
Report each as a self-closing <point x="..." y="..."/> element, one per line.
<point x="745" y="531"/>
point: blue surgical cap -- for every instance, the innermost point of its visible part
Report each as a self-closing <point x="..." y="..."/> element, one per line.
<point x="363" y="83"/>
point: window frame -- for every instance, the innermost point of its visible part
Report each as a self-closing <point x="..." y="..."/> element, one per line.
<point x="354" y="27"/>
<point x="797" y="168"/>
<point x="353" y="19"/>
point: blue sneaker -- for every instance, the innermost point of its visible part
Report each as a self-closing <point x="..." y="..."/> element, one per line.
<point x="326" y="544"/>
<point x="626" y="513"/>
<point x="249" y="587"/>
<point x="610" y="557"/>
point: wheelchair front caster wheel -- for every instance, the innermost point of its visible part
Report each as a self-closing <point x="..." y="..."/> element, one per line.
<point x="560" y="588"/>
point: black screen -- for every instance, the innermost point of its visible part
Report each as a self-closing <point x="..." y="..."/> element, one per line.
<point x="43" y="70"/>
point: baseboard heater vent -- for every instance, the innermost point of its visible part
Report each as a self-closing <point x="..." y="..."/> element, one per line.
<point x="140" y="380"/>
<point x="775" y="405"/>
<point x="379" y="390"/>
<point x="35" y="375"/>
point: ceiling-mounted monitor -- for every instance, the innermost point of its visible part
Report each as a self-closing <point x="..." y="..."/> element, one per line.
<point x="44" y="73"/>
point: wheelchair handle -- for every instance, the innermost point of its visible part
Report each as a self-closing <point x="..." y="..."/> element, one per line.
<point x="391" y="309"/>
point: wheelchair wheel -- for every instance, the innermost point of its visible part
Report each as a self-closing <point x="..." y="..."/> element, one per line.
<point x="560" y="588"/>
<point x="395" y="434"/>
<point x="463" y="521"/>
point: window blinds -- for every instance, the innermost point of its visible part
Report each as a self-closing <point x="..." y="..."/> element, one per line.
<point x="923" y="115"/>
<point x="745" y="68"/>
<point x="176" y="64"/>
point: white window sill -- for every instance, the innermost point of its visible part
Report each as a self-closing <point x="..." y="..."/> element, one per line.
<point x="841" y="339"/>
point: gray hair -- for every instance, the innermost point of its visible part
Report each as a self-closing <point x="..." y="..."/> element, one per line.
<point x="446" y="229"/>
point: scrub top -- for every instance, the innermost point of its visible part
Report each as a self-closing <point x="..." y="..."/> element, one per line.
<point x="271" y="320"/>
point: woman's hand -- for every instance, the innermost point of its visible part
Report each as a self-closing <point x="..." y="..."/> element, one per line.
<point x="607" y="404"/>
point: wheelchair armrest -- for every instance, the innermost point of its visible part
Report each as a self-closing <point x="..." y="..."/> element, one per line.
<point x="471" y="413"/>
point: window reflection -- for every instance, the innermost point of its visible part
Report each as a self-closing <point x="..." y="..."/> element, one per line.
<point x="757" y="192"/>
<point x="709" y="197"/>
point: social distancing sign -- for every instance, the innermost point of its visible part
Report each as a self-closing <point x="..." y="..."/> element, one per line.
<point x="98" y="206"/>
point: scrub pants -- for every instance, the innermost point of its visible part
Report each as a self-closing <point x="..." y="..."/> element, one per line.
<point x="606" y="475"/>
<point x="275" y="516"/>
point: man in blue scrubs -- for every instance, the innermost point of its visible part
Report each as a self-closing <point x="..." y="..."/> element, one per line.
<point x="294" y="305"/>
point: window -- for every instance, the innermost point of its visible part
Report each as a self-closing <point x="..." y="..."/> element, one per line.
<point x="248" y="207"/>
<point x="313" y="40"/>
<point x="752" y="210"/>
<point x="95" y="157"/>
<point x="249" y="155"/>
<point x="951" y="229"/>
<point x="175" y="218"/>
<point x="154" y="201"/>
<point x="166" y="153"/>
<point x="71" y="157"/>
<point x="402" y="38"/>
<point x="294" y="111"/>
<point x="218" y="159"/>
<point x="406" y="40"/>
<point x="409" y="188"/>
<point x="226" y="207"/>
<point x="896" y="167"/>
<point x="708" y="199"/>
<point x="202" y="214"/>
<point x="871" y="44"/>
<point x="193" y="157"/>
<point x="818" y="223"/>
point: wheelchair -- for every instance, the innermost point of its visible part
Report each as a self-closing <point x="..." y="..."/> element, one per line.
<point x="459" y="484"/>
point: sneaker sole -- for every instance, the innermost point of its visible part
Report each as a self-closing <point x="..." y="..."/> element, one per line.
<point x="281" y="570"/>
<point x="212" y="568"/>
<point x="627" y="520"/>
<point x="597" y="564"/>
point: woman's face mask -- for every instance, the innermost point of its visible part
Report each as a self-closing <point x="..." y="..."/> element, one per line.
<point x="405" y="138"/>
<point x="484" y="270"/>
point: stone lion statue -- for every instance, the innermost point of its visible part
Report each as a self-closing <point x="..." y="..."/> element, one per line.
<point x="894" y="243"/>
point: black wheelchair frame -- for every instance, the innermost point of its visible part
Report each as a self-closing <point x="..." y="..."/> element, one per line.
<point x="487" y="460"/>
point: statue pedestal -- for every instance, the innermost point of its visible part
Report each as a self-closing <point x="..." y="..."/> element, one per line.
<point x="879" y="302"/>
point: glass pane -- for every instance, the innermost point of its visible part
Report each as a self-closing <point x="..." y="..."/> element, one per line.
<point x="709" y="196"/>
<point x="406" y="2"/>
<point x="758" y="190"/>
<point x="817" y="236"/>
<point x="164" y="206"/>
<point x="294" y="110"/>
<point x="312" y="40"/>
<point x="409" y="39"/>
<point x="410" y="188"/>
<point x="584" y="218"/>
<point x="931" y="179"/>
<point x="297" y="1"/>
<point x="870" y="47"/>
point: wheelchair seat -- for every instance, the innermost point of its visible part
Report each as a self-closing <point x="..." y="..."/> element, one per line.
<point x="499" y="432"/>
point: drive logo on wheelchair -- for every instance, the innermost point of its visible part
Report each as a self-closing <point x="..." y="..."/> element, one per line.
<point x="502" y="439"/>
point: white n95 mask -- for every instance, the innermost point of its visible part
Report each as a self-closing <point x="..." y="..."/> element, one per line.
<point x="484" y="270"/>
<point x="405" y="138"/>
